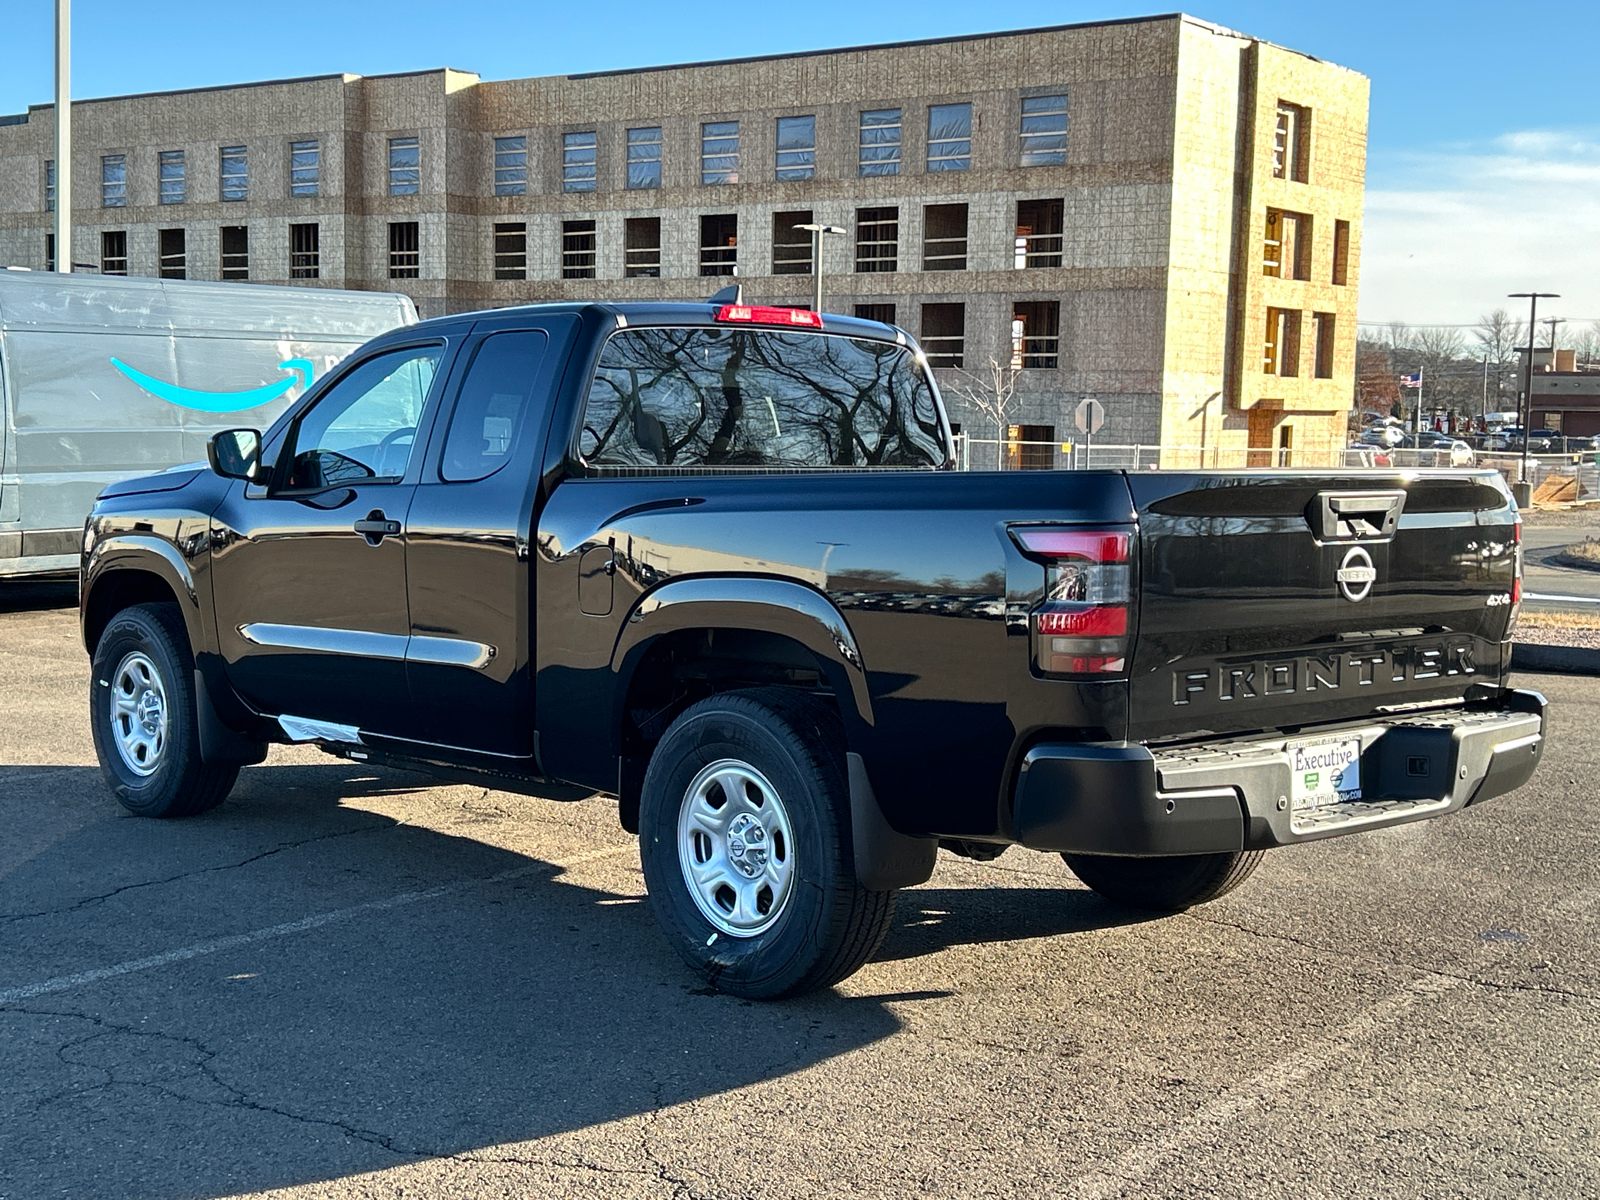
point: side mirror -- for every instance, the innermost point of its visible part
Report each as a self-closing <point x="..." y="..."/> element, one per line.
<point x="236" y="454"/>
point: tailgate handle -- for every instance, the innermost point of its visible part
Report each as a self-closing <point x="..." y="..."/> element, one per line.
<point x="1355" y="516"/>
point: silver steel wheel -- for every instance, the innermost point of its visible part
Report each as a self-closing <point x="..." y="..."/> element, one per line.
<point x="139" y="713"/>
<point x="736" y="848"/>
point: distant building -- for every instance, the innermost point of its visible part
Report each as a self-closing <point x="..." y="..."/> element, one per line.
<point x="1159" y="213"/>
<point x="1564" y="398"/>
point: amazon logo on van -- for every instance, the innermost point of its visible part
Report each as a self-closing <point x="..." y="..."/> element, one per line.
<point x="301" y="371"/>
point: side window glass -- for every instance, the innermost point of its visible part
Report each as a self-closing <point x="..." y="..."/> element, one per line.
<point x="364" y="429"/>
<point x="494" y="407"/>
<point x="698" y="398"/>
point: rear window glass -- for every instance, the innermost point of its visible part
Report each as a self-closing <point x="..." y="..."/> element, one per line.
<point x="757" y="399"/>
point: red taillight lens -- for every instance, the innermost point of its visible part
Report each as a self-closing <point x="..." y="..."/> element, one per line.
<point x="1516" y="578"/>
<point x="758" y="314"/>
<point x="1080" y="627"/>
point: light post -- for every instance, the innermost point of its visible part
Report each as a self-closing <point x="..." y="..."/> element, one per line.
<point x="816" y="232"/>
<point x="1525" y="409"/>
<point x="64" y="136"/>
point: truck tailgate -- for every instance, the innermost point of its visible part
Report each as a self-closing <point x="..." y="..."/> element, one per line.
<point x="1278" y="600"/>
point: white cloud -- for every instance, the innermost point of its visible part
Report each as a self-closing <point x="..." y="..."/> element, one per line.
<point x="1449" y="233"/>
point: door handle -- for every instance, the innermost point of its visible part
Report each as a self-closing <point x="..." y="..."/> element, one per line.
<point x="375" y="527"/>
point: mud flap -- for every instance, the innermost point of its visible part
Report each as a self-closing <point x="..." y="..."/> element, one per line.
<point x="886" y="859"/>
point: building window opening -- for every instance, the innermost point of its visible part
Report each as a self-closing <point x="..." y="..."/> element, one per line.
<point x="882" y="313"/>
<point x="234" y="171"/>
<point x="170" y="178"/>
<point x="50" y="185"/>
<point x="644" y="158"/>
<point x="719" y="152"/>
<point x="305" y="168"/>
<point x="1286" y="248"/>
<point x="944" y="334"/>
<point x="949" y="137"/>
<point x="511" y="166"/>
<point x="305" y="251"/>
<point x="641" y="248"/>
<point x="719" y="242"/>
<point x="1039" y="229"/>
<point x="1285" y="446"/>
<point x="944" y="237"/>
<point x="49" y="252"/>
<point x="405" y="250"/>
<point x="1323" y="327"/>
<point x="577" y="249"/>
<point x="114" y="252"/>
<point x="235" y="252"/>
<point x="1291" y="142"/>
<point x="1036" y="334"/>
<point x="1341" y="253"/>
<point x="877" y="240"/>
<point x="797" y="148"/>
<point x="880" y="142"/>
<point x="1281" y="354"/>
<point x="791" y="245"/>
<point x="174" y="259"/>
<point x="1044" y="131"/>
<point x="405" y="166"/>
<point x="113" y="181"/>
<point x="579" y="161"/>
<point x="1030" y="447"/>
<point x="511" y="250"/>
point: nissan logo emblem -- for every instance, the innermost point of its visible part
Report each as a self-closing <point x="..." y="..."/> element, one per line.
<point x="1355" y="575"/>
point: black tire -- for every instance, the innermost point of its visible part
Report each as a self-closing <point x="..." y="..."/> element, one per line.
<point x="1164" y="884"/>
<point x="178" y="783"/>
<point x="830" y="925"/>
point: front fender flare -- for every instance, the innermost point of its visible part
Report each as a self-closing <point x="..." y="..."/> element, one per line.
<point x="778" y="606"/>
<point x="154" y="556"/>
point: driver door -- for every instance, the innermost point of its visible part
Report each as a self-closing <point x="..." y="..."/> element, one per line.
<point x="309" y="572"/>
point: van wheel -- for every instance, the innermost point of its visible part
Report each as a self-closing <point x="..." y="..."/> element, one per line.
<point x="142" y="713"/>
<point x="744" y="835"/>
<point x="1165" y="884"/>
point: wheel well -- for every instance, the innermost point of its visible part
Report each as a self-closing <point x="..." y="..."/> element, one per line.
<point x="688" y="665"/>
<point x="116" y="591"/>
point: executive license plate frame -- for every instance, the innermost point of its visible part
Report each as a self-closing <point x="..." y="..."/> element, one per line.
<point x="1324" y="772"/>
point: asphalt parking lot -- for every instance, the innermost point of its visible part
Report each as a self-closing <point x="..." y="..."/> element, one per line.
<point x="350" y="983"/>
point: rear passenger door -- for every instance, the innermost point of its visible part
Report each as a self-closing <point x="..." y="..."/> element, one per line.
<point x="469" y="554"/>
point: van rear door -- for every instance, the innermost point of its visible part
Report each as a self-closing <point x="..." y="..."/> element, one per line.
<point x="1280" y="600"/>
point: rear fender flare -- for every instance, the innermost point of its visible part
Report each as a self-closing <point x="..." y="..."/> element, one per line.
<point x="766" y="605"/>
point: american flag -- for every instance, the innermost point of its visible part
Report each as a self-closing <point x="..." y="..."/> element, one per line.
<point x="1412" y="380"/>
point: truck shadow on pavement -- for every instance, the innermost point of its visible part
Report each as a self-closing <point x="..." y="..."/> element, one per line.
<point x="461" y="997"/>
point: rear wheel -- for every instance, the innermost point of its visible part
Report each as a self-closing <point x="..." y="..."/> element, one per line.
<point x="1164" y="884"/>
<point x="142" y="714"/>
<point x="744" y="834"/>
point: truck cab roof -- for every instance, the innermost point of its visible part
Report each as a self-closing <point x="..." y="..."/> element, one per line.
<point x="673" y="312"/>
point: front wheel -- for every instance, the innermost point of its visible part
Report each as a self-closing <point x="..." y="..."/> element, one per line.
<point x="744" y="835"/>
<point x="142" y="714"/>
<point x="1164" y="884"/>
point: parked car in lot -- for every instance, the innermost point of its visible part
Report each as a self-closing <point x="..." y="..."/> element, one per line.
<point x="714" y="560"/>
<point x="104" y="378"/>
<point x="1439" y="450"/>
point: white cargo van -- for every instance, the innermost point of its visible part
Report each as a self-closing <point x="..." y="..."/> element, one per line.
<point x="103" y="378"/>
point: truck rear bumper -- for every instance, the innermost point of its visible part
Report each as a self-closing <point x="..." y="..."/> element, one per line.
<point x="1122" y="799"/>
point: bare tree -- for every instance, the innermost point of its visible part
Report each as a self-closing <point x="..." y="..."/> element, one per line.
<point x="992" y="394"/>
<point x="1498" y="336"/>
<point x="1586" y="343"/>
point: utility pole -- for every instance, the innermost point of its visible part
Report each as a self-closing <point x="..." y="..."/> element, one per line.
<point x="816" y="259"/>
<point x="1525" y="409"/>
<point x="1553" y="322"/>
<point x="64" y="136"/>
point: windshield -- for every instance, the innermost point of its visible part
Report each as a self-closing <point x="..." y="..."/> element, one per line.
<point x="698" y="398"/>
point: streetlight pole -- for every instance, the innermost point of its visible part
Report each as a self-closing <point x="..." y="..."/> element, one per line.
<point x="64" y="135"/>
<point x="816" y="259"/>
<point x="1525" y="409"/>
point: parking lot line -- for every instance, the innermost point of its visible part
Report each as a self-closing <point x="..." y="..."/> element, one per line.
<point x="1561" y="599"/>
<point x="1278" y="1080"/>
<point x="62" y="983"/>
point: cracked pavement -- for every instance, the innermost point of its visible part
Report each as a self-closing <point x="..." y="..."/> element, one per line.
<point x="353" y="983"/>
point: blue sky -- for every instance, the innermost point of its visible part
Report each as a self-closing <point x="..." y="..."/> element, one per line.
<point x="1484" y="171"/>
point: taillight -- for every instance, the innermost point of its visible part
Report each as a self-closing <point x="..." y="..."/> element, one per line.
<point x="1080" y="627"/>
<point x="1516" y="578"/>
<point x="759" y="314"/>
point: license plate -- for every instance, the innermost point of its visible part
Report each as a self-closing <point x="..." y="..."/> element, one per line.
<point x="1324" y="772"/>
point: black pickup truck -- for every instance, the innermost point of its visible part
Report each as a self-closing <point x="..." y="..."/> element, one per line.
<point x="714" y="560"/>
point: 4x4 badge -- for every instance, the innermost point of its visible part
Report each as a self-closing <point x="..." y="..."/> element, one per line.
<point x="1355" y="575"/>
